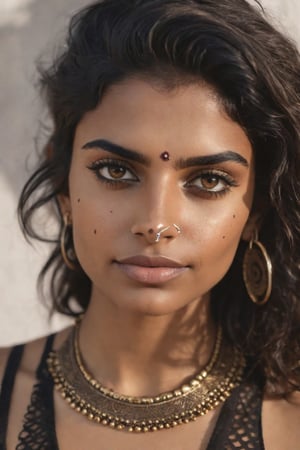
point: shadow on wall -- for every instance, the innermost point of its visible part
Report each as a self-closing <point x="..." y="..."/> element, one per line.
<point x="28" y="29"/>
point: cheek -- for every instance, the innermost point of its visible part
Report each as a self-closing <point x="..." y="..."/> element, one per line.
<point x="93" y="228"/>
<point x="219" y="238"/>
<point x="91" y="213"/>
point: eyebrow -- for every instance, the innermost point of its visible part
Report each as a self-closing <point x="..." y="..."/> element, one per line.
<point x="118" y="150"/>
<point x="182" y="163"/>
<point x="216" y="158"/>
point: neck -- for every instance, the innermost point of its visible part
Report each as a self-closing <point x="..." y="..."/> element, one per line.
<point x="142" y="355"/>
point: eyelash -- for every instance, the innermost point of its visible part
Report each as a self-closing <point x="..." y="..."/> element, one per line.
<point x="224" y="177"/>
<point x="198" y="191"/>
<point x="112" y="164"/>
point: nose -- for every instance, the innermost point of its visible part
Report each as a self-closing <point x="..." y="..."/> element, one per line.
<point x="157" y="217"/>
<point x="154" y="234"/>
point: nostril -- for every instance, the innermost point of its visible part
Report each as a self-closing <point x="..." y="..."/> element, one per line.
<point x="154" y="235"/>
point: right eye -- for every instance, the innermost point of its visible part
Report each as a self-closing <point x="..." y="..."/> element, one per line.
<point x="113" y="171"/>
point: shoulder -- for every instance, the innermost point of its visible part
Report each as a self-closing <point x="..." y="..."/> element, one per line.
<point x="32" y="353"/>
<point x="281" y="419"/>
<point x="29" y="357"/>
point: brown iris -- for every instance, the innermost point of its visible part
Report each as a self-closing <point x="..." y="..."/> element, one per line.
<point x="117" y="172"/>
<point x="209" y="181"/>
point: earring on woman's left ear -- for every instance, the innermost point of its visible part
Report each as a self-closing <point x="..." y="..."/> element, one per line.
<point x="70" y="263"/>
<point x="257" y="271"/>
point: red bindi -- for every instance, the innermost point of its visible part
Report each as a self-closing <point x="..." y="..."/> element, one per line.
<point x="165" y="156"/>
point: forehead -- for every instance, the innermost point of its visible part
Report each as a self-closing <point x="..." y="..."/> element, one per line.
<point x="146" y="115"/>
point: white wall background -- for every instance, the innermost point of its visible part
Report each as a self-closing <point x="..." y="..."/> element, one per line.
<point x="27" y="29"/>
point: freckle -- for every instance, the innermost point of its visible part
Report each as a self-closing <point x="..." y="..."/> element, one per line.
<point x="111" y="211"/>
<point x="95" y="231"/>
<point x="234" y="216"/>
<point x="223" y="237"/>
<point x="78" y="200"/>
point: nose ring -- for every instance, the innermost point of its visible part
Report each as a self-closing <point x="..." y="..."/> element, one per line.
<point x="159" y="233"/>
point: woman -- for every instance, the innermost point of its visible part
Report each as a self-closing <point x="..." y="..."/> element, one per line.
<point x="174" y="163"/>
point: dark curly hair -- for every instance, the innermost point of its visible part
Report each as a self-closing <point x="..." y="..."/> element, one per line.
<point x="255" y="70"/>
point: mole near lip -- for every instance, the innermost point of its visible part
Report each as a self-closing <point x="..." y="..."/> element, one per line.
<point x="151" y="270"/>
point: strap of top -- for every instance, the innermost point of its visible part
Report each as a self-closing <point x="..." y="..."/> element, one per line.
<point x="38" y="431"/>
<point x="8" y="382"/>
<point x="239" y="423"/>
<point x="46" y="351"/>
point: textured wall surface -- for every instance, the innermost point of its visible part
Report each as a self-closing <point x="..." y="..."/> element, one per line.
<point x="29" y="28"/>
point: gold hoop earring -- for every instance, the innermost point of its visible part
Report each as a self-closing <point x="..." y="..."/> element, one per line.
<point x="71" y="264"/>
<point x="257" y="272"/>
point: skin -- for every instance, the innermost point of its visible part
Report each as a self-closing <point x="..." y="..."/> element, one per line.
<point x="189" y="123"/>
<point x="139" y="337"/>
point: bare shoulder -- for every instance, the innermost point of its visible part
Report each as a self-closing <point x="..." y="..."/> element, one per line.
<point x="32" y="354"/>
<point x="34" y="350"/>
<point x="281" y="419"/>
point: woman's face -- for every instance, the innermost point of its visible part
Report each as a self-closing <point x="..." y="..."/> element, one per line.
<point x="145" y="159"/>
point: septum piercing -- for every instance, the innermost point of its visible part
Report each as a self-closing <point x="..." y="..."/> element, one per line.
<point x="159" y="233"/>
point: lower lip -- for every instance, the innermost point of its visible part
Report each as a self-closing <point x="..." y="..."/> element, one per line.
<point x="151" y="275"/>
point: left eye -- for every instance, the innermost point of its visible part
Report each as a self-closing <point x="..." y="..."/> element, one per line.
<point x="212" y="182"/>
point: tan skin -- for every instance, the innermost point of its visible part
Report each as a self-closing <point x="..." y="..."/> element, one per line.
<point x="143" y="335"/>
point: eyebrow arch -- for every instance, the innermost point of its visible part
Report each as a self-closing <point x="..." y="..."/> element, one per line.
<point x="182" y="163"/>
<point x="216" y="158"/>
<point x="118" y="150"/>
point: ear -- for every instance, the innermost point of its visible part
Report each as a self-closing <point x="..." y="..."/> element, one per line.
<point x="63" y="200"/>
<point x="252" y="226"/>
<point x="64" y="205"/>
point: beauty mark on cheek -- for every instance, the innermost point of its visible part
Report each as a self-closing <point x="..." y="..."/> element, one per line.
<point x="78" y="200"/>
<point x="95" y="231"/>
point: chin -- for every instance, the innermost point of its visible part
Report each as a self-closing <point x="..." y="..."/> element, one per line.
<point x="153" y="303"/>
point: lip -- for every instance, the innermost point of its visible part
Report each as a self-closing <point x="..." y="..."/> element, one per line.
<point x="151" y="261"/>
<point x="151" y="269"/>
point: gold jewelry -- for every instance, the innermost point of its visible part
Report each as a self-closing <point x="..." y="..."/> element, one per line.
<point x="257" y="272"/>
<point x="138" y="400"/>
<point x="71" y="264"/>
<point x="195" y="398"/>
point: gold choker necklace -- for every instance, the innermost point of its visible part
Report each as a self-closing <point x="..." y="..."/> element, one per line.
<point x="202" y="393"/>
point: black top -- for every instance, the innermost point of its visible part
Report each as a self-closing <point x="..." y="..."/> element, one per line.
<point x="238" y="425"/>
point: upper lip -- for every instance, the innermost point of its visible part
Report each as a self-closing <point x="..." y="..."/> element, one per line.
<point x="151" y="261"/>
